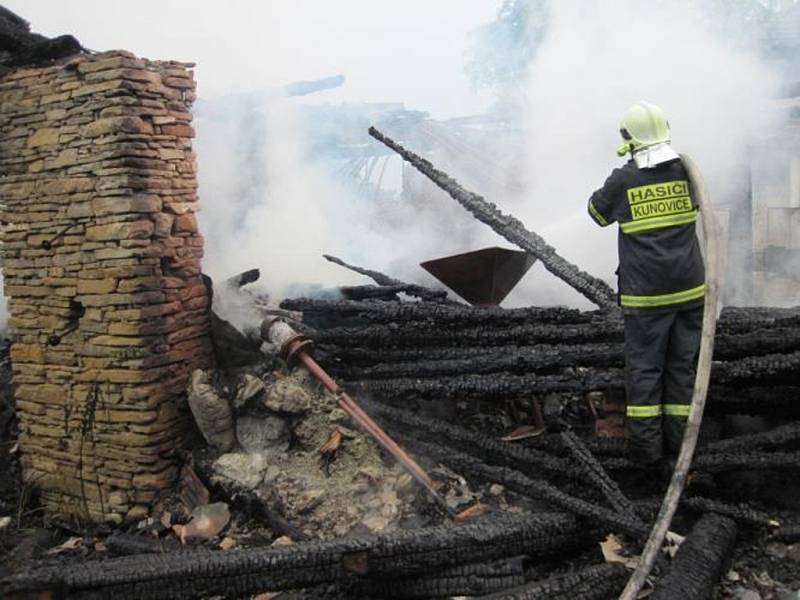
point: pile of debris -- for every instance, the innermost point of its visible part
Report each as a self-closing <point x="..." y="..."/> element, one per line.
<point x="281" y="441"/>
<point x="429" y="350"/>
<point x="361" y="527"/>
<point x="567" y="511"/>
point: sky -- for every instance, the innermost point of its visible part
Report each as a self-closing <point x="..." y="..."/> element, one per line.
<point x="246" y="45"/>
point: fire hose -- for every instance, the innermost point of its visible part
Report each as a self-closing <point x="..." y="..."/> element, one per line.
<point x="295" y="348"/>
<point x="672" y="496"/>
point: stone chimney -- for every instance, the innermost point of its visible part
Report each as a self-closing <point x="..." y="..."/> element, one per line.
<point x="108" y="315"/>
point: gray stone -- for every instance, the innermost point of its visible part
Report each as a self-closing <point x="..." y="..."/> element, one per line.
<point x="272" y="474"/>
<point x="207" y="521"/>
<point x="247" y="387"/>
<point x="288" y="396"/>
<point x="245" y="470"/>
<point x="262" y="434"/>
<point x="211" y="412"/>
<point x="496" y="489"/>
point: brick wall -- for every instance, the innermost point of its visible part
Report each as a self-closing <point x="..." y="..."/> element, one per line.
<point x="101" y="264"/>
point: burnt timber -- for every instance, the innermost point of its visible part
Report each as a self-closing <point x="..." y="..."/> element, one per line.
<point x="596" y="290"/>
<point x="398" y="351"/>
<point x="237" y="574"/>
<point x="700" y="560"/>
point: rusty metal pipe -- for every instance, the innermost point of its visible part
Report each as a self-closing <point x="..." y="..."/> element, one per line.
<point x="294" y="348"/>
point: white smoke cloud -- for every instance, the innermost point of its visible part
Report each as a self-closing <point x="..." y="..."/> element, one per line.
<point x="598" y="59"/>
<point x="264" y="204"/>
<point x="297" y="211"/>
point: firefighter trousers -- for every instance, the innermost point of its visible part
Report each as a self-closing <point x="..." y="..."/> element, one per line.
<point x="660" y="358"/>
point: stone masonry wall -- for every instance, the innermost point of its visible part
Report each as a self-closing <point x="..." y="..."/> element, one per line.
<point x="108" y="315"/>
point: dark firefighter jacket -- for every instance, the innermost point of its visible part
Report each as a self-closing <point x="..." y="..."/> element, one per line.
<point x="660" y="265"/>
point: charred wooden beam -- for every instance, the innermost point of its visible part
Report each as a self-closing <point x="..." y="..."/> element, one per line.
<point x="473" y="468"/>
<point x="738" y="320"/>
<point x="525" y="360"/>
<point x="597" y="475"/>
<point x="491" y="449"/>
<point x="774" y="368"/>
<point x="779" y="401"/>
<point x="599" y="446"/>
<point x="542" y="356"/>
<point x="597" y="582"/>
<point x="236" y="574"/>
<point x="532" y="460"/>
<point x="775" y="340"/>
<point x="465" y="580"/>
<point x="596" y="290"/>
<point x="359" y="293"/>
<point x="784" y="435"/>
<point x="749" y="356"/>
<point x="719" y="462"/>
<point x="562" y="355"/>
<point x="381" y="279"/>
<point x="422" y="334"/>
<point x="375" y="363"/>
<point x="751" y="461"/>
<point x="700" y="561"/>
<point x="459" y="314"/>
<point x="500" y="385"/>
<point x="740" y="512"/>
<point x="232" y="348"/>
<point x="442" y="380"/>
<point x="749" y="323"/>
<point x="784" y="401"/>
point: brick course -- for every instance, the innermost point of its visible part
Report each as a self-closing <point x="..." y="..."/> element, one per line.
<point x="98" y="190"/>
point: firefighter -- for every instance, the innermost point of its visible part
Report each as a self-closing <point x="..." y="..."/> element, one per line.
<point x="660" y="280"/>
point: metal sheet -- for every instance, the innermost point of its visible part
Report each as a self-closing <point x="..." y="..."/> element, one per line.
<point x="482" y="277"/>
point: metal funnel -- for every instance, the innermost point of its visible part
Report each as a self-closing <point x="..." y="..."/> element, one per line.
<point x="483" y="277"/>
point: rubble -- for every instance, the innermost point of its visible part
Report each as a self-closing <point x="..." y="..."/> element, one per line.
<point x="211" y="413"/>
<point x="110" y="320"/>
<point x="355" y="490"/>
<point x="303" y="565"/>
<point x="452" y="353"/>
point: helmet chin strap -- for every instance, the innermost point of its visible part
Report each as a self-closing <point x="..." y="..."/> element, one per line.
<point x="624" y="149"/>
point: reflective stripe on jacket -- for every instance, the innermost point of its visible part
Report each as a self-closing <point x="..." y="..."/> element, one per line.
<point x="660" y="261"/>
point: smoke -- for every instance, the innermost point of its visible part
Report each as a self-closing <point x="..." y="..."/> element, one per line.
<point x="267" y="203"/>
<point x="595" y="61"/>
<point x="284" y="211"/>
